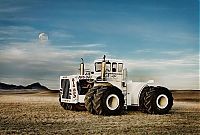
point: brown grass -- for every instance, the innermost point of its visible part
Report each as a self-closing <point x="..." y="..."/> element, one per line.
<point x="40" y="113"/>
<point x="186" y="95"/>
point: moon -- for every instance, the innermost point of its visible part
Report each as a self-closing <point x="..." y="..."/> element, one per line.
<point x="43" y="36"/>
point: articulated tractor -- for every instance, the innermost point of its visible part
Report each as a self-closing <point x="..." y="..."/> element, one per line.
<point x="107" y="91"/>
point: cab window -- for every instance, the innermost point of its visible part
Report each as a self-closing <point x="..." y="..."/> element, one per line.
<point x="98" y="66"/>
<point x="120" y="67"/>
<point x="108" y="66"/>
<point x="114" y="67"/>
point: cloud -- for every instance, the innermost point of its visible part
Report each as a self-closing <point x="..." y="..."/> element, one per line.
<point x="180" y="80"/>
<point x="176" y="73"/>
<point x="143" y="51"/>
<point x="36" y="52"/>
<point x="44" y="63"/>
<point x="16" y="29"/>
<point x="169" y="52"/>
<point x="174" y="53"/>
<point x="84" y="46"/>
<point x="93" y="45"/>
<point x="186" y="61"/>
<point x="35" y="62"/>
<point x="11" y="9"/>
<point x="22" y="61"/>
<point x="164" y="32"/>
<point x="13" y="34"/>
<point x="61" y="34"/>
<point x="174" y="61"/>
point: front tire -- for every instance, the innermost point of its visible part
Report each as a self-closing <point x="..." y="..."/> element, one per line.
<point x="61" y="103"/>
<point x="158" y="100"/>
<point x="89" y="99"/>
<point x="67" y="106"/>
<point x="108" y="100"/>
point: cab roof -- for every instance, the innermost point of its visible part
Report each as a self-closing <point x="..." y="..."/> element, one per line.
<point x="109" y="60"/>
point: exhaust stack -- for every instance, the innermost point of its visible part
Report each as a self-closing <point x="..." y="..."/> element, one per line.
<point x="82" y="67"/>
<point x="103" y="69"/>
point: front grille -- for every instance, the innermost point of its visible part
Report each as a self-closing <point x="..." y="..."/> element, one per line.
<point x="65" y="85"/>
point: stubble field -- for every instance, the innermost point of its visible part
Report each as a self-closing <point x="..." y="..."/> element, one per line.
<point x="40" y="113"/>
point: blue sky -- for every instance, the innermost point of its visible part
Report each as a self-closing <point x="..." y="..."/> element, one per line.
<point x="158" y="39"/>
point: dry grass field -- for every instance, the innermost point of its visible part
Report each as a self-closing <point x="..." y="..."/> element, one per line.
<point x="40" y="113"/>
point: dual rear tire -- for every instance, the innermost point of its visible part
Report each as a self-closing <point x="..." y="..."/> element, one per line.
<point x="155" y="100"/>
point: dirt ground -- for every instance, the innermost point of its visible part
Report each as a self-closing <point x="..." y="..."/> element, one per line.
<point x="40" y="113"/>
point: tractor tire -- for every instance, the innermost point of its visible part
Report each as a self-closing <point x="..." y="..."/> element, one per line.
<point x="89" y="99"/>
<point x="61" y="103"/>
<point x="158" y="100"/>
<point x="108" y="100"/>
<point x="141" y="99"/>
<point x="70" y="107"/>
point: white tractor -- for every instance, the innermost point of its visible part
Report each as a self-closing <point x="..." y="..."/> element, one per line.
<point x="106" y="91"/>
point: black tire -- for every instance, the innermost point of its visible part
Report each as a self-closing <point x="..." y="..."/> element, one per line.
<point x="59" y="98"/>
<point x="158" y="100"/>
<point x="141" y="99"/>
<point x="103" y="101"/>
<point x="61" y="103"/>
<point x="89" y="99"/>
<point x="70" y="107"/>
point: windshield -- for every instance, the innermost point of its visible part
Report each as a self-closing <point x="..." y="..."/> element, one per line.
<point x="120" y="67"/>
<point x="98" y="66"/>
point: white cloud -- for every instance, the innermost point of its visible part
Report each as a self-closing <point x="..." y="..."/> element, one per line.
<point x="93" y="45"/>
<point x="36" y="62"/>
<point x="44" y="63"/>
<point x="164" y="52"/>
<point x="16" y="29"/>
<point x="178" y="52"/>
<point x="176" y="73"/>
<point x="37" y="52"/>
<point x="60" y="34"/>
<point x="143" y="51"/>
<point x="33" y="62"/>
<point x="11" y="9"/>
<point x="86" y="46"/>
<point x="180" y="80"/>
<point x="186" y="61"/>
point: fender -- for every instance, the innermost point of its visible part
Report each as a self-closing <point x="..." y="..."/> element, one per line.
<point x="134" y="90"/>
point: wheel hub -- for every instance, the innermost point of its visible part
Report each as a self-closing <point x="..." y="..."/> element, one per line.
<point x="112" y="102"/>
<point x="162" y="101"/>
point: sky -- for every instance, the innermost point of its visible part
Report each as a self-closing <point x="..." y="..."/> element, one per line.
<point x="157" y="39"/>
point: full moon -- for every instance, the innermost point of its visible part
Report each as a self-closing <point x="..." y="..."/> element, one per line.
<point x="43" y="37"/>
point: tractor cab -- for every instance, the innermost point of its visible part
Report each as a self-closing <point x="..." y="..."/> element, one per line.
<point x="109" y="70"/>
<point x="112" y="66"/>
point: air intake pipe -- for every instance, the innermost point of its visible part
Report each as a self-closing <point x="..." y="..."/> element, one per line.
<point x="82" y="67"/>
<point x="103" y="69"/>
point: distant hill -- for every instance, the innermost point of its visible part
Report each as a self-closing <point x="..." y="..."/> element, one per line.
<point x="35" y="86"/>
